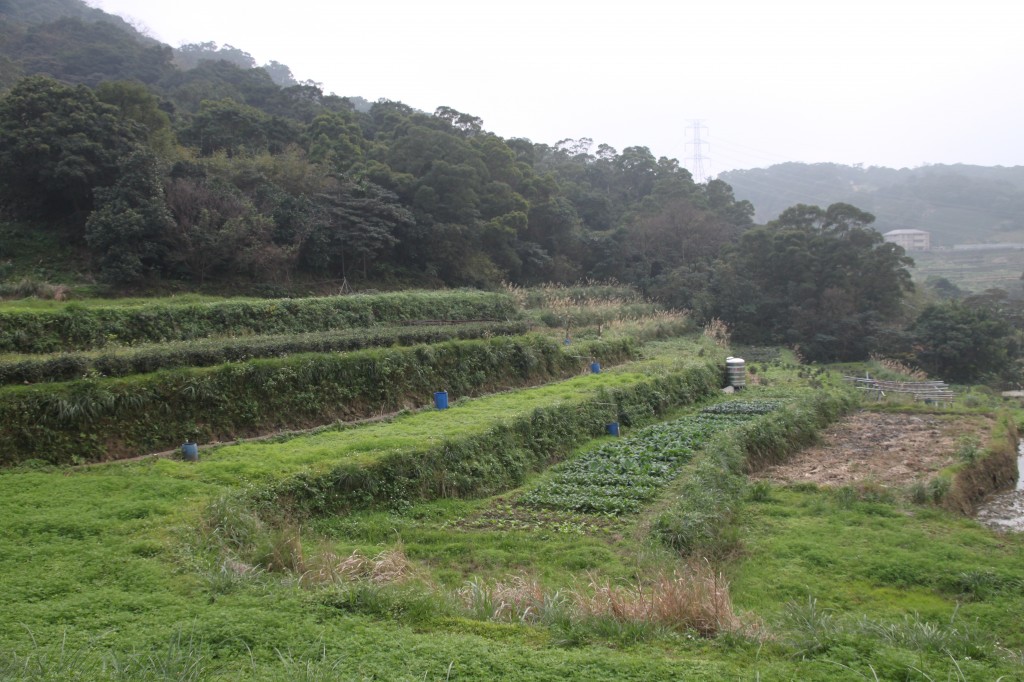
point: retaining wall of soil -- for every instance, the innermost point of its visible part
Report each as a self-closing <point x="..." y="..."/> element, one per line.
<point x="994" y="471"/>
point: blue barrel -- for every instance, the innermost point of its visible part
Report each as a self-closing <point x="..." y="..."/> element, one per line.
<point x="567" y="341"/>
<point x="595" y="367"/>
<point x="190" y="451"/>
<point x="613" y="429"/>
<point x="441" y="400"/>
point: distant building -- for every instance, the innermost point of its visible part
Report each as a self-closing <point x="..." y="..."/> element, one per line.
<point x="910" y="240"/>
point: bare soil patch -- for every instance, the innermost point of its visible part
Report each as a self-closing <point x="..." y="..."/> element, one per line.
<point x="892" y="450"/>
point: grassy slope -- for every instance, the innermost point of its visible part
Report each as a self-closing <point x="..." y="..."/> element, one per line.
<point x="106" y="539"/>
<point x="101" y="556"/>
<point x="864" y="561"/>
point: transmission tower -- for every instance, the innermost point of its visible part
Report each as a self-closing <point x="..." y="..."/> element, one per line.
<point x="699" y="164"/>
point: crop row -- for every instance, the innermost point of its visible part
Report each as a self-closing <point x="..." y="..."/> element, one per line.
<point x="208" y="352"/>
<point x="76" y="327"/>
<point x="712" y="485"/>
<point x="99" y="419"/>
<point x="479" y="448"/>
<point x="618" y="477"/>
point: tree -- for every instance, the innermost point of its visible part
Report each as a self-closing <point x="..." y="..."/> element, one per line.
<point x="129" y="229"/>
<point x="189" y="56"/>
<point x="467" y="124"/>
<point x="136" y="103"/>
<point x="817" y="278"/>
<point x="280" y="73"/>
<point x="227" y="126"/>
<point x="960" y="343"/>
<point x="57" y="144"/>
<point x="362" y="221"/>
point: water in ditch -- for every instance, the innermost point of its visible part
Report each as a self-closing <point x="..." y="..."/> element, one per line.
<point x="1005" y="511"/>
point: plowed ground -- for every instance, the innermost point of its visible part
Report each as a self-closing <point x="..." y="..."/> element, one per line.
<point x="892" y="450"/>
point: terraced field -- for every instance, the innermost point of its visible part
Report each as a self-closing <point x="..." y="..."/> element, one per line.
<point x="507" y="537"/>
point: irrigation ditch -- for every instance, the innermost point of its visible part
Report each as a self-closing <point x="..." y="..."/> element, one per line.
<point x="1005" y="510"/>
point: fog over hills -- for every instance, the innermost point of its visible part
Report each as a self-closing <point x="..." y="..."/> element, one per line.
<point x="958" y="204"/>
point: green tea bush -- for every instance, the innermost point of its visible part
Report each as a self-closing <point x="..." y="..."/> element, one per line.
<point x="97" y="419"/>
<point x="208" y="352"/>
<point x="78" y="327"/>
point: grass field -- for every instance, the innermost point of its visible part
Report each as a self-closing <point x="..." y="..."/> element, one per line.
<point x="117" y="572"/>
<point x="646" y="557"/>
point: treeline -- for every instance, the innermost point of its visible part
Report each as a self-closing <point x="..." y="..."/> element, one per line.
<point x="216" y="173"/>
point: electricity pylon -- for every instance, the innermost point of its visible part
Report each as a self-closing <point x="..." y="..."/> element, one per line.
<point x="696" y="148"/>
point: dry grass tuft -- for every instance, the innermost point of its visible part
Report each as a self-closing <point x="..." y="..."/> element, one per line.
<point x="519" y="599"/>
<point x="717" y="331"/>
<point x="29" y="288"/>
<point x="390" y="566"/>
<point x="695" y="599"/>
<point x="912" y="373"/>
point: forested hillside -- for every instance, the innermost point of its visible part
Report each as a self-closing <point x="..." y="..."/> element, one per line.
<point x="128" y="166"/>
<point x="196" y="165"/>
<point x="958" y="204"/>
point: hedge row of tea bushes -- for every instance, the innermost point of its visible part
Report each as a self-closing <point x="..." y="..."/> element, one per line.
<point x="100" y="419"/>
<point x="493" y="460"/>
<point x="699" y="519"/>
<point x="77" y="327"/>
<point x="208" y="352"/>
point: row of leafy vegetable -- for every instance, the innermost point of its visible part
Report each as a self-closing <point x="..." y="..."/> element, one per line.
<point x="619" y="476"/>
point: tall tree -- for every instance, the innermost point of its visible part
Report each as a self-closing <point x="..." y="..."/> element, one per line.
<point x="57" y="144"/>
<point x="817" y="278"/>
<point x="128" y="232"/>
<point x="961" y="343"/>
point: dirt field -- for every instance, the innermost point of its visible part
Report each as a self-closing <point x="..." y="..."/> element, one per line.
<point x="892" y="450"/>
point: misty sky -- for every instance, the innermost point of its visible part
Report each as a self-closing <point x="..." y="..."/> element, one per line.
<point x="896" y="83"/>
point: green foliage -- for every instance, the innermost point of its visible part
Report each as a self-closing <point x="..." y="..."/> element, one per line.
<point x="712" y="486"/>
<point x="74" y="43"/>
<point x="489" y="461"/>
<point x="817" y="278"/>
<point x="960" y="343"/>
<point x="126" y="230"/>
<point x="76" y="327"/>
<point x="968" y="449"/>
<point x="620" y="477"/>
<point x="96" y="419"/>
<point x="204" y="353"/>
<point x="57" y="145"/>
